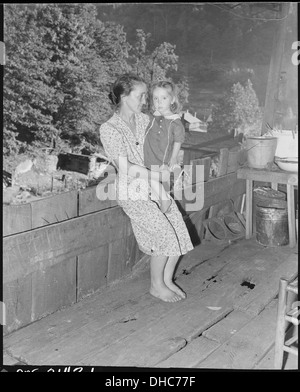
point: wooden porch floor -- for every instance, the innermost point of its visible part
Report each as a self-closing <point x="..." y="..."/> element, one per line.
<point x="227" y="321"/>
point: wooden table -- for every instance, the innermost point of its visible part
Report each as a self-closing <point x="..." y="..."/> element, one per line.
<point x="275" y="177"/>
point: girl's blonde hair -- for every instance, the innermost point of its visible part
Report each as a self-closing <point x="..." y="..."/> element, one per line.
<point x="172" y="90"/>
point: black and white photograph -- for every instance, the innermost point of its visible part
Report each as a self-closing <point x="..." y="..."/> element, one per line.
<point x="150" y="190"/>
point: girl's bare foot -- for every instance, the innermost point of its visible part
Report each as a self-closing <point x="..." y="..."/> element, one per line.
<point x="172" y="286"/>
<point x="165" y="294"/>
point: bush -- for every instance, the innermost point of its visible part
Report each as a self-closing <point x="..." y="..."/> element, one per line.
<point x="237" y="110"/>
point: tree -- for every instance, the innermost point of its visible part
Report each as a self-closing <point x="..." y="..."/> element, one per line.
<point x="54" y="80"/>
<point x="77" y="73"/>
<point x="61" y="62"/>
<point x="28" y="96"/>
<point x="238" y="110"/>
<point x="156" y="65"/>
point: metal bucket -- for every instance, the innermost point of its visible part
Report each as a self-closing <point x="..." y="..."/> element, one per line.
<point x="260" y="151"/>
<point x="272" y="226"/>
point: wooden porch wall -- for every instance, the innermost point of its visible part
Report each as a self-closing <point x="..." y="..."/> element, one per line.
<point x="59" y="249"/>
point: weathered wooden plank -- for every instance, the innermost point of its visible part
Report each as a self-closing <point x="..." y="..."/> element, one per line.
<point x="53" y="287"/>
<point x="190" y="355"/>
<point x="16" y="218"/>
<point x="234" y="156"/>
<point x="132" y="254"/>
<point x="194" y="225"/>
<point x="116" y="260"/>
<point x="267" y="289"/>
<point x="8" y="360"/>
<point x="278" y="176"/>
<point x="79" y="333"/>
<point x="160" y="339"/>
<point x="249" y="262"/>
<point x="290" y="361"/>
<point x="191" y="154"/>
<point x="107" y="319"/>
<point x="26" y="252"/>
<point x="18" y="303"/>
<point x="227" y="327"/>
<point x="205" y="162"/>
<point x="125" y="301"/>
<point x="122" y="256"/>
<point x="223" y="275"/>
<point x="223" y="162"/>
<point x="247" y="346"/>
<point x="76" y="339"/>
<point x="274" y="76"/>
<point x="53" y="209"/>
<point x="92" y="270"/>
<point x="201" y="257"/>
<point x="206" y="143"/>
<point x="202" y="195"/>
<point x="88" y="200"/>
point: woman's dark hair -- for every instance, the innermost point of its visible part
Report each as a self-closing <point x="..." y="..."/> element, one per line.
<point x="123" y="86"/>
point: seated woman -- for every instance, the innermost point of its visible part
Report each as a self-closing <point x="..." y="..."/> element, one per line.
<point x="160" y="234"/>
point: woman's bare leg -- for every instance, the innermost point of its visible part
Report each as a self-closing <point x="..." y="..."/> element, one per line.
<point x="158" y="287"/>
<point x="169" y="274"/>
<point x="159" y="194"/>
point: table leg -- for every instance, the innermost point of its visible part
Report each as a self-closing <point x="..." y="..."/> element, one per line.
<point x="249" y="198"/>
<point x="291" y="215"/>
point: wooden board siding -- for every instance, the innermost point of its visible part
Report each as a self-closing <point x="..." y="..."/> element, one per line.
<point x="26" y="252"/>
<point x="18" y="302"/>
<point x="215" y="191"/>
<point x="206" y="162"/>
<point x="53" y="209"/>
<point x="236" y="156"/>
<point x="88" y="201"/>
<point x="54" y="266"/>
<point x="53" y="287"/>
<point x="92" y="270"/>
<point x="16" y="218"/>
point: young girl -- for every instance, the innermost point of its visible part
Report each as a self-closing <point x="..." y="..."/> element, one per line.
<point x="165" y="132"/>
<point x="163" y="238"/>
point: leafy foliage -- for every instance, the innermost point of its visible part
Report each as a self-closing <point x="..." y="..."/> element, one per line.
<point x="61" y="62"/>
<point x="238" y="110"/>
<point x="62" y="58"/>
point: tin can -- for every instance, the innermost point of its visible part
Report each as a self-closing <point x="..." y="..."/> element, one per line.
<point x="272" y="226"/>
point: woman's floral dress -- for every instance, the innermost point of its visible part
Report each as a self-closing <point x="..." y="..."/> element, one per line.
<point x="157" y="234"/>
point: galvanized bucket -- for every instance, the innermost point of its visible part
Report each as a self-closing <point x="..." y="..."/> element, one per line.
<point x="260" y="151"/>
<point x="272" y="226"/>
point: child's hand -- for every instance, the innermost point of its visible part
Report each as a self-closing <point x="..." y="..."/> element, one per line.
<point x="165" y="173"/>
<point x="173" y="165"/>
<point x="163" y="167"/>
